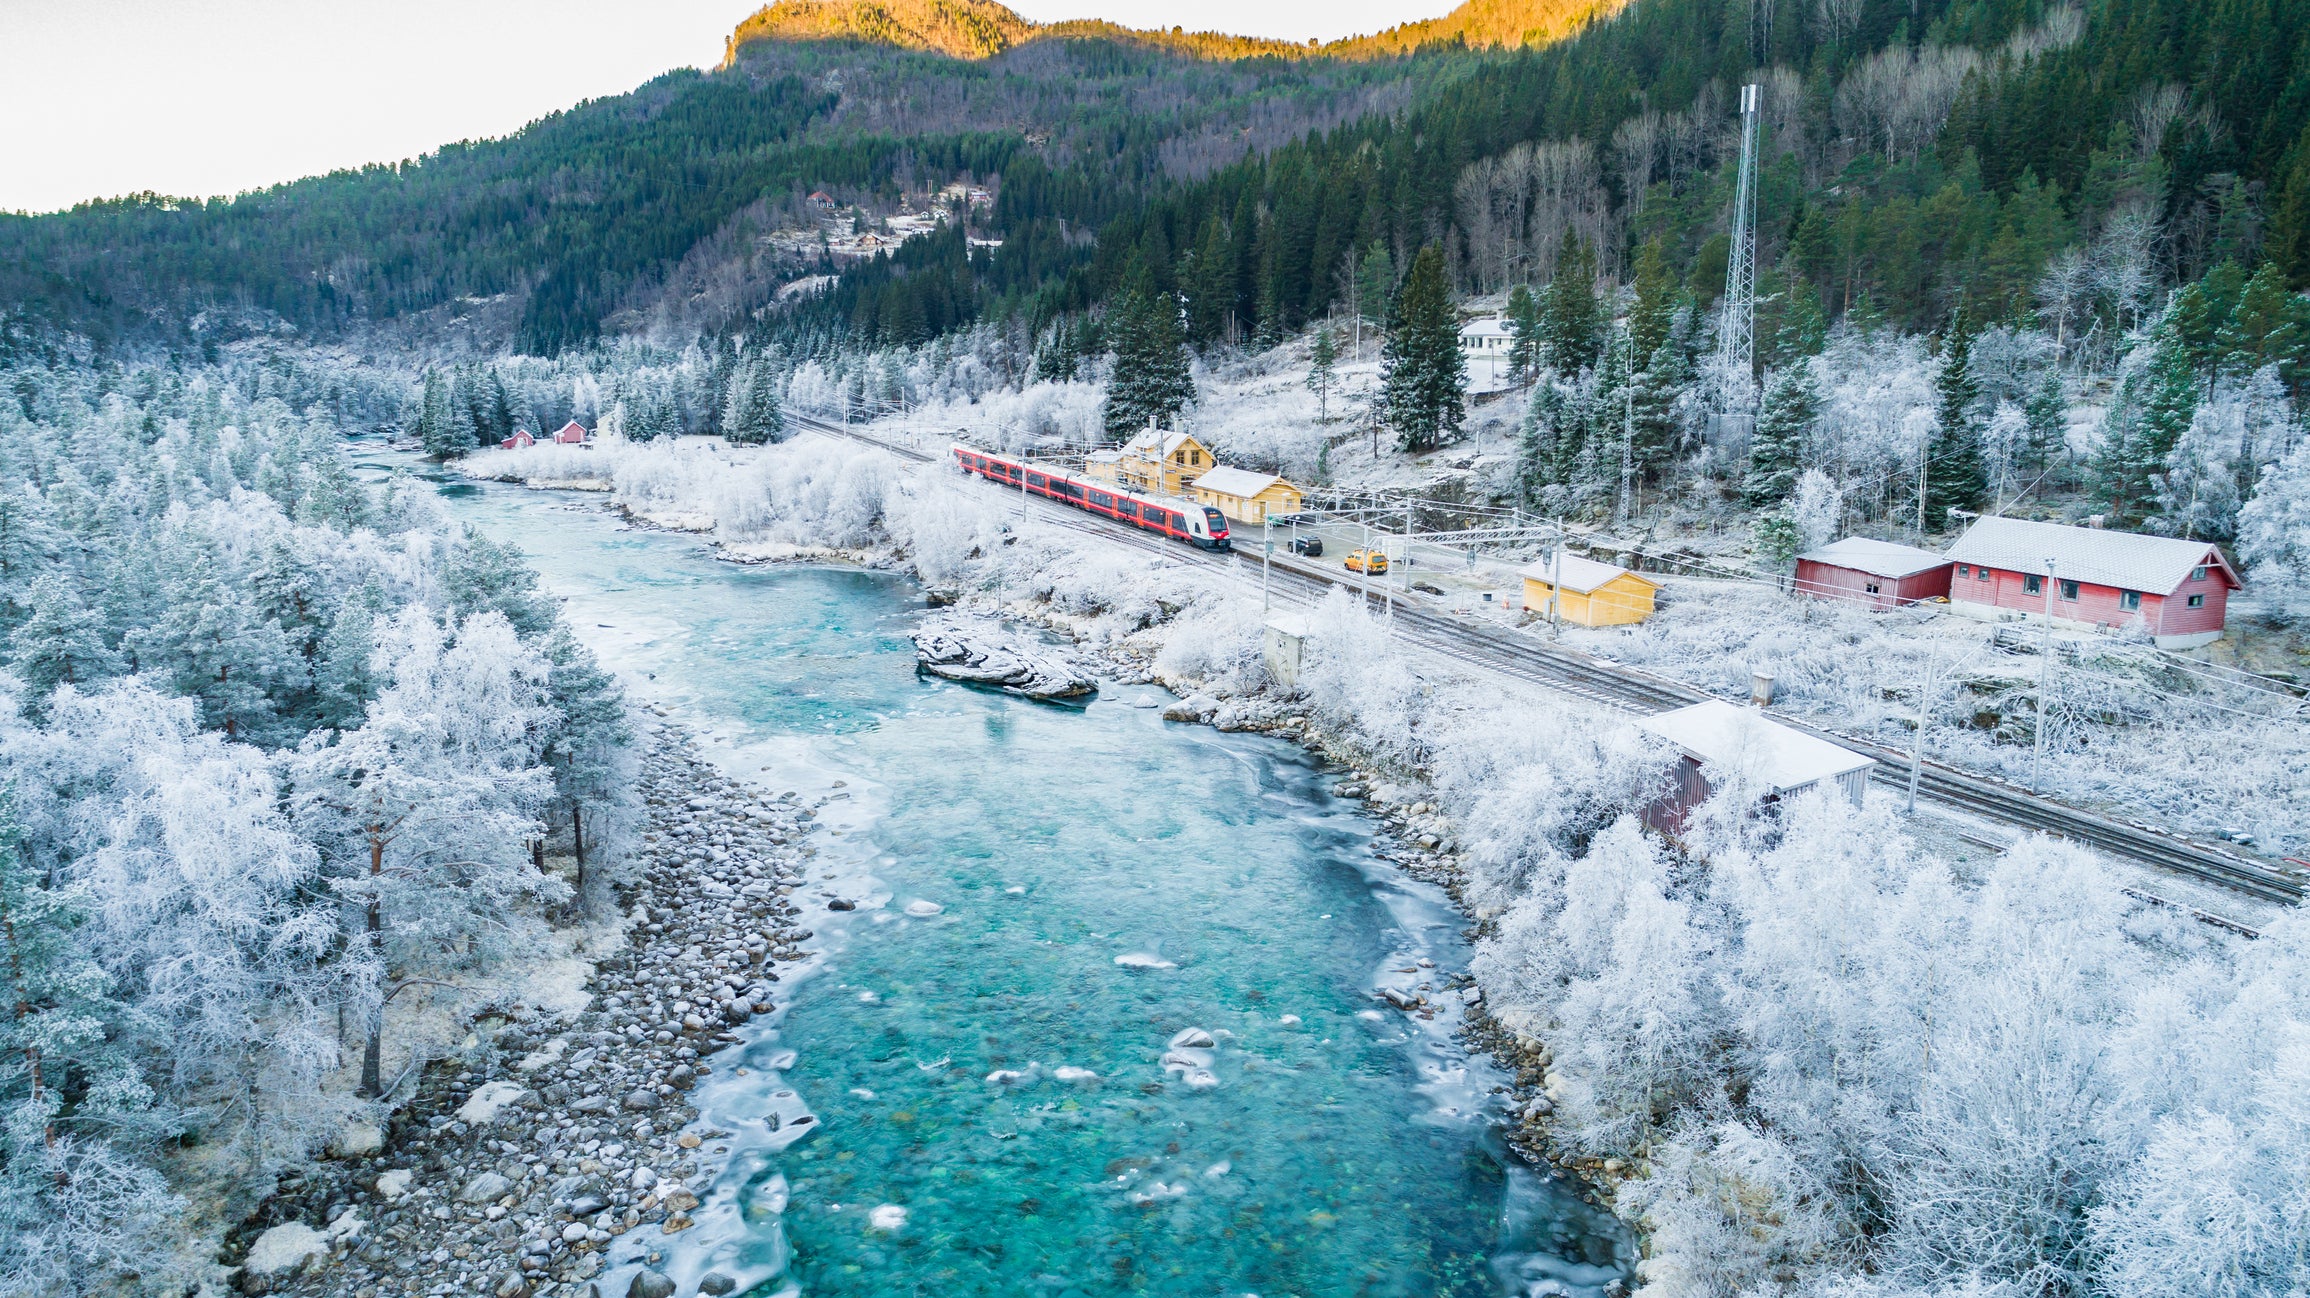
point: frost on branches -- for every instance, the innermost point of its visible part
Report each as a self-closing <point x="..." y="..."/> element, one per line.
<point x="234" y="669"/>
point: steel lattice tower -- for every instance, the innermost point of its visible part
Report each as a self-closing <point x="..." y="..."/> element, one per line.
<point x="1736" y="334"/>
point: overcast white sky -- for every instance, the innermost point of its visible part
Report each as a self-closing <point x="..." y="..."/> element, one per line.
<point x="198" y="97"/>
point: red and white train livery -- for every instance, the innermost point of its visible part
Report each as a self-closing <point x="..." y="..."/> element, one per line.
<point x="1195" y="524"/>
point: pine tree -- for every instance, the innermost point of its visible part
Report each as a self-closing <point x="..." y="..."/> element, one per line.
<point x="1151" y="383"/>
<point x="1776" y="451"/>
<point x="1524" y="335"/>
<point x="55" y="1038"/>
<point x="590" y="748"/>
<point x="1423" y="376"/>
<point x="1322" y="366"/>
<point x="217" y="648"/>
<point x="2154" y="408"/>
<point x="1955" y="474"/>
<point x="753" y="416"/>
<point x="60" y="641"/>
<point x="1571" y="321"/>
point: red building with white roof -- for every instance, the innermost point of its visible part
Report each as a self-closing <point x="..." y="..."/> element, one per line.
<point x="571" y="434"/>
<point x="2176" y="590"/>
<point x="1875" y="575"/>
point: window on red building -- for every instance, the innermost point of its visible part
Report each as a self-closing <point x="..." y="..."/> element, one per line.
<point x="2197" y="601"/>
<point x="2069" y="590"/>
<point x="2129" y="599"/>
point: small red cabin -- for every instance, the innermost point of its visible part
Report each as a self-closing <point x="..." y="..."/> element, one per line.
<point x="520" y="439"/>
<point x="2176" y="590"/>
<point x="1875" y="575"/>
<point x="570" y="435"/>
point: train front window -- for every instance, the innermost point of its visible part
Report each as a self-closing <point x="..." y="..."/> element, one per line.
<point x="1215" y="520"/>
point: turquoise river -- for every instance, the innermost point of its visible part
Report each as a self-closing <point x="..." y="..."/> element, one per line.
<point x="1000" y="1107"/>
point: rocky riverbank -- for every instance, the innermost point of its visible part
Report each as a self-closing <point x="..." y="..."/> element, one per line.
<point x="515" y="1165"/>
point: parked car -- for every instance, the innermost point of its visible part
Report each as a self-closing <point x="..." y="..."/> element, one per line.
<point x="1368" y="562"/>
<point x="1311" y="546"/>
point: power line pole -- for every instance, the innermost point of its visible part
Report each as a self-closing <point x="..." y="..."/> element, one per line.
<point x="1736" y="333"/>
<point x="2044" y="684"/>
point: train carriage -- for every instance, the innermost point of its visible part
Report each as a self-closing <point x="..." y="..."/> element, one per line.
<point x="1199" y="525"/>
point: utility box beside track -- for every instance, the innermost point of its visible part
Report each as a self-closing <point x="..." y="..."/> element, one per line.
<point x="1283" y="644"/>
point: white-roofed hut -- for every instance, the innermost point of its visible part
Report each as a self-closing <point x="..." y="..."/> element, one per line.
<point x="1780" y="761"/>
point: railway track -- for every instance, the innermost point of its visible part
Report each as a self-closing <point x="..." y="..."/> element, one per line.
<point x="1632" y="690"/>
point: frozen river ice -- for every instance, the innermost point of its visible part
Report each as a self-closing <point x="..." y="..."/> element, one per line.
<point x="1101" y="1021"/>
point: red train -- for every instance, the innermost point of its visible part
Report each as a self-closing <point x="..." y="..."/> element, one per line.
<point x="1195" y="524"/>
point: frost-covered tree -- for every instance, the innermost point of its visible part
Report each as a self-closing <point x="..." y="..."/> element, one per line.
<point x="753" y="416"/>
<point x="1423" y="375"/>
<point x="2274" y="534"/>
<point x="60" y="641"/>
<point x="1776" y="451"/>
<point x="72" y="1208"/>
<point x="204" y="912"/>
<point x="425" y="813"/>
<point x="215" y="646"/>
<point x="437" y="425"/>
<point x="2154" y="407"/>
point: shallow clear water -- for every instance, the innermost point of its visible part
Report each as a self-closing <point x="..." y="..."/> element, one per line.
<point x="1105" y="881"/>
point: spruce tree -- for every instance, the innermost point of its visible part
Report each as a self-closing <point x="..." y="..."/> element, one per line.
<point x="1322" y="373"/>
<point x="1649" y="408"/>
<point x="1524" y="335"/>
<point x="2047" y="413"/>
<point x="1423" y="376"/>
<point x="1955" y="474"/>
<point x="2154" y="408"/>
<point x="1056" y="360"/>
<point x="1776" y="452"/>
<point x="1542" y="459"/>
<point x="1571" y="321"/>
<point x="753" y="417"/>
<point x="1654" y="313"/>
<point x="1151" y="383"/>
<point x="436" y="431"/>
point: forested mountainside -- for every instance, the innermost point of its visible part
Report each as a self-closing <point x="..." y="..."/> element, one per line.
<point x="1919" y="158"/>
<point x="590" y="215"/>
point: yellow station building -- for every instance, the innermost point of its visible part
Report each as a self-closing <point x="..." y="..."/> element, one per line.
<point x="1588" y="593"/>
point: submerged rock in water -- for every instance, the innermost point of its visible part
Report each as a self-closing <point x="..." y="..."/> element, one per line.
<point x="983" y="652"/>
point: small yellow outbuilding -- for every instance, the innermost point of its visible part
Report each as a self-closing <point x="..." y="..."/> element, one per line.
<point x="1588" y="593"/>
<point x="1245" y="496"/>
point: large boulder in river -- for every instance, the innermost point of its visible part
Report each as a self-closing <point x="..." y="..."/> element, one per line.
<point x="980" y="651"/>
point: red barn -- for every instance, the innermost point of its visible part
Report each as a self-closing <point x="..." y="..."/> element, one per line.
<point x="2175" y="590"/>
<point x="520" y="439"/>
<point x="570" y="435"/>
<point x="1875" y="575"/>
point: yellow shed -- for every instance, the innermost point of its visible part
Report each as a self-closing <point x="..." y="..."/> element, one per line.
<point x="1245" y="496"/>
<point x="1588" y="593"/>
